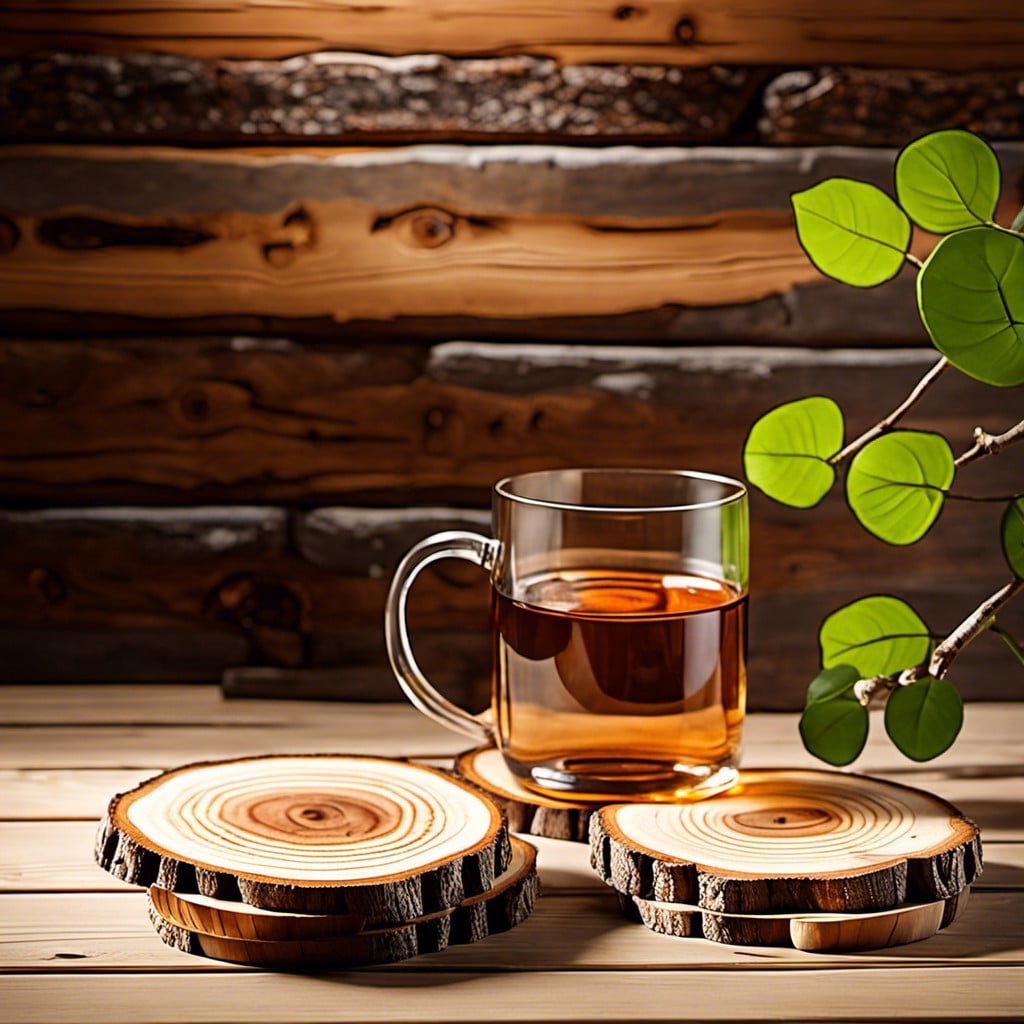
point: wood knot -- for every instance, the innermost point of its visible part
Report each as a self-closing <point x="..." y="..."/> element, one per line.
<point x="194" y="405"/>
<point x="444" y="431"/>
<point x="272" y="613"/>
<point x="626" y="11"/>
<point x="46" y="586"/>
<point x="297" y="233"/>
<point x="10" y="235"/>
<point x="430" y="229"/>
<point x="83" y="233"/>
<point x="685" y="31"/>
<point x="253" y="601"/>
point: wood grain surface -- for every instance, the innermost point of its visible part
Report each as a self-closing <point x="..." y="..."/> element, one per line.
<point x="678" y="242"/>
<point x="935" y="34"/>
<point x="210" y="420"/>
<point x="76" y="951"/>
<point x="164" y="593"/>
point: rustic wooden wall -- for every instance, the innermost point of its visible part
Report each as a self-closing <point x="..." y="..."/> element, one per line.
<point x="285" y="287"/>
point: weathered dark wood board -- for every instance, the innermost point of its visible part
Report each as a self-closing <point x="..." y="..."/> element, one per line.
<point x="339" y="97"/>
<point x="250" y="421"/>
<point x="888" y="107"/>
<point x="185" y="593"/>
<point x="936" y="33"/>
<point x="296" y="615"/>
<point x="684" y="243"/>
<point x="343" y="98"/>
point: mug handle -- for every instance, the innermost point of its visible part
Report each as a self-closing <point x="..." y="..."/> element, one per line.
<point x="473" y="547"/>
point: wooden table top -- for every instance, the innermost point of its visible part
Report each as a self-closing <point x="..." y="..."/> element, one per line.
<point x="76" y="944"/>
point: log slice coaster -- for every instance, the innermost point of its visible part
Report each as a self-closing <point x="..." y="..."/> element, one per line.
<point x="790" y="841"/>
<point x="814" y="933"/>
<point x="527" y="812"/>
<point x="383" y="839"/>
<point x="506" y="905"/>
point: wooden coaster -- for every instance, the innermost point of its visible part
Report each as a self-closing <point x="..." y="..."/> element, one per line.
<point x="504" y="906"/>
<point x="790" y="841"/>
<point x="323" y="834"/>
<point x="815" y="933"/>
<point x="526" y="811"/>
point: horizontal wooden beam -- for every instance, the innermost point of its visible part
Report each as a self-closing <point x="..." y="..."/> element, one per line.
<point x="106" y="591"/>
<point x="346" y="98"/>
<point x="694" y="243"/>
<point x="208" y="420"/>
<point x="349" y="97"/>
<point x="142" y="594"/>
<point x="889" y="107"/>
<point x="924" y="33"/>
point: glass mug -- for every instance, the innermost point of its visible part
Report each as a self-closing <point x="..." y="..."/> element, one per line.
<point x="619" y="631"/>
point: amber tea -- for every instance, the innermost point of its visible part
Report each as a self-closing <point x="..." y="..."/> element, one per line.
<point x="607" y="682"/>
<point x="619" y="631"/>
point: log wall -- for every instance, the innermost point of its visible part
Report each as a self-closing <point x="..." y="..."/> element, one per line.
<point x="284" y="287"/>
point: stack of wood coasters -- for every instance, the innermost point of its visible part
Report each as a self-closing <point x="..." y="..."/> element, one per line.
<point x="812" y="859"/>
<point x="318" y="860"/>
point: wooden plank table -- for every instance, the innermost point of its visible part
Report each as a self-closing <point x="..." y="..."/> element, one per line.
<point x="76" y="945"/>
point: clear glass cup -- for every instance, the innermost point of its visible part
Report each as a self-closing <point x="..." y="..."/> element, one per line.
<point x="619" y="631"/>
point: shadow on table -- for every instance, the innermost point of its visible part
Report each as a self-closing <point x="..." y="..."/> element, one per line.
<point x="987" y="927"/>
<point x="558" y="932"/>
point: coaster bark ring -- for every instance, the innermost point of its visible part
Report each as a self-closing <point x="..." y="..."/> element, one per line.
<point x="386" y="840"/>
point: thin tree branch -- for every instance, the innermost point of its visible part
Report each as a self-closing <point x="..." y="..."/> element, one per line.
<point x="975" y="623"/>
<point x="944" y="654"/>
<point x="989" y="444"/>
<point x="895" y="416"/>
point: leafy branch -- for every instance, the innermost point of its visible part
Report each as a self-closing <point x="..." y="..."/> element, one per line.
<point x="970" y="294"/>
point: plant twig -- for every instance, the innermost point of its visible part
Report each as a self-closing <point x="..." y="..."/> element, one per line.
<point x="989" y="444"/>
<point x="911" y="258"/>
<point x="975" y="623"/>
<point x="942" y="657"/>
<point x="895" y="416"/>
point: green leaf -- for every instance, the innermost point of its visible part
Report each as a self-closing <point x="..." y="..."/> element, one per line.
<point x="852" y="231"/>
<point x="834" y="725"/>
<point x="787" y="451"/>
<point x="879" y="634"/>
<point x="971" y="295"/>
<point x="836" y="681"/>
<point x="1013" y="536"/>
<point x="947" y="181"/>
<point x="923" y="719"/>
<point x="896" y="484"/>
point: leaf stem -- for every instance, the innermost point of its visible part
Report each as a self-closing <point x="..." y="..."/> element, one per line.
<point x="895" y="416"/>
<point x="989" y="444"/>
<point x="993" y="498"/>
<point x="911" y="258"/>
<point x="999" y="227"/>
<point x="1010" y="641"/>
<point x="975" y="623"/>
